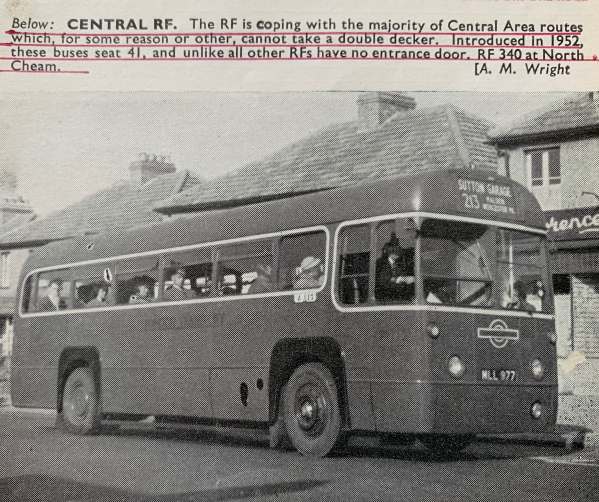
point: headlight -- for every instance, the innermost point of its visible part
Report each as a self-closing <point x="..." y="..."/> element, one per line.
<point x="538" y="371"/>
<point x="432" y="330"/>
<point x="536" y="410"/>
<point x="456" y="367"/>
<point x="552" y="335"/>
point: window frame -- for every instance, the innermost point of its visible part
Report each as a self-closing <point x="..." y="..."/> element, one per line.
<point x="161" y="253"/>
<point x="545" y="180"/>
<point x="420" y="305"/>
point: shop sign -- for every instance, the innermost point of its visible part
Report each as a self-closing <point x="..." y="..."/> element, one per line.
<point x="572" y="224"/>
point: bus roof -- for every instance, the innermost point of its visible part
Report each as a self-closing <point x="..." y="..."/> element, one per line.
<point x="460" y="192"/>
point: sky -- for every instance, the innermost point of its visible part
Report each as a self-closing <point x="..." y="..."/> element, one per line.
<point x="64" y="146"/>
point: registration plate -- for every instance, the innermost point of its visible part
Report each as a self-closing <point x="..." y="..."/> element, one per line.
<point x="498" y="375"/>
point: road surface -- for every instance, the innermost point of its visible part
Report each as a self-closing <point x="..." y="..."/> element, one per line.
<point x="140" y="462"/>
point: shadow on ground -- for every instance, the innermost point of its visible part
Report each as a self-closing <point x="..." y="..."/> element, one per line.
<point x="414" y="452"/>
<point x="38" y="488"/>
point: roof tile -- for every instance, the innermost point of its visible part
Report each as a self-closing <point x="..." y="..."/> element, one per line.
<point x="122" y="205"/>
<point x="341" y="155"/>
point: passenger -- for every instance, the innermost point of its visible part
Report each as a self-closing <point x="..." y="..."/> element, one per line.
<point x="520" y="302"/>
<point x="52" y="301"/>
<point x="263" y="283"/>
<point x="175" y="291"/>
<point x="310" y="274"/>
<point x="101" y="299"/>
<point x="395" y="272"/>
<point x="142" y="295"/>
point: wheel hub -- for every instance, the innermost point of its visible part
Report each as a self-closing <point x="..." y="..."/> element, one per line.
<point x="79" y="402"/>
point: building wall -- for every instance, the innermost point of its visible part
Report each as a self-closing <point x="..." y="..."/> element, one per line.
<point x="579" y="163"/>
<point x="17" y="259"/>
<point x="8" y="297"/>
<point x="577" y="313"/>
<point x="585" y="292"/>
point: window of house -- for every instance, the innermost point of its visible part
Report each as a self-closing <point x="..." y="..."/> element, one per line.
<point x="4" y="270"/>
<point x="354" y="264"/>
<point x="301" y="261"/>
<point x="246" y="268"/>
<point x="187" y="275"/>
<point x="543" y="166"/>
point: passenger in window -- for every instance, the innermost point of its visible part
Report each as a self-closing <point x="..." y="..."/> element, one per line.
<point x="395" y="272"/>
<point x="310" y="274"/>
<point x="176" y="291"/>
<point x="142" y="295"/>
<point x="101" y="299"/>
<point x="520" y="302"/>
<point x="52" y="301"/>
<point x="263" y="283"/>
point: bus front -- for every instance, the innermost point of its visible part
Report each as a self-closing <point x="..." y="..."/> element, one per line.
<point x="489" y="320"/>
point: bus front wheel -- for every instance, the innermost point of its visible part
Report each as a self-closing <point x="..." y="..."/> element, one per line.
<point x="80" y="413"/>
<point x="311" y="408"/>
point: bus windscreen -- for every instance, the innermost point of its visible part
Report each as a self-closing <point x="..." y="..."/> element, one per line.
<point x="476" y="265"/>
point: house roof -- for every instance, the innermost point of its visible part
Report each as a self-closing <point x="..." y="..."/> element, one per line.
<point x="123" y="205"/>
<point x="16" y="222"/>
<point x="575" y="114"/>
<point x="341" y="154"/>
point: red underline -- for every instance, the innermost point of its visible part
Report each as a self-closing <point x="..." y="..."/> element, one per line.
<point x="168" y="34"/>
<point x="297" y="59"/>
<point x="44" y="71"/>
<point x="11" y="44"/>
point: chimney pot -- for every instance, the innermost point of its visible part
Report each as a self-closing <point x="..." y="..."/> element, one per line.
<point x="148" y="167"/>
<point x="374" y="108"/>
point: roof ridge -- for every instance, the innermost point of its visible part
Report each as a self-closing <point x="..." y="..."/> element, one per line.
<point x="456" y="132"/>
<point x="502" y="129"/>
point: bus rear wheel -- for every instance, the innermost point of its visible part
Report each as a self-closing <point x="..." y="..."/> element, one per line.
<point x="311" y="410"/>
<point x="80" y="413"/>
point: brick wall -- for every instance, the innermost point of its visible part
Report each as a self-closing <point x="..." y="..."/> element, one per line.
<point x="585" y="290"/>
<point x="563" y="324"/>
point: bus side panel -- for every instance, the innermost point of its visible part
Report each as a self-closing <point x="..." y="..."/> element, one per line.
<point x="154" y="360"/>
<point x="34" y="366"/>
<point x="248" y="330"/>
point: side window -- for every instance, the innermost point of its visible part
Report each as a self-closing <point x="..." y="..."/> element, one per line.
<point x="187" y="275"/>
<point x="137" y="280"/>
<point x="53" y="291"/>
<point x="93" y="286"/>
<point x="246" y="268"/>
<point x="27" y="298"/>
<point x="354" y="264"/>
<point x="301" y="261"/>
<point x="394" y="276"/>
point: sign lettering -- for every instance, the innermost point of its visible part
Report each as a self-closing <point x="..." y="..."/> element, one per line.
<point x="487" y="196"/>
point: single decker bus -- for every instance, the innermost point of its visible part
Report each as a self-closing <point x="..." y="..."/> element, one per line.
<point x="415" y="307"/>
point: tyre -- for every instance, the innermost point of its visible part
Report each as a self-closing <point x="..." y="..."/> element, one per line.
<point x="446" y="445"/>
<point x="311" y="410"/>
<point x="80" y="413"/>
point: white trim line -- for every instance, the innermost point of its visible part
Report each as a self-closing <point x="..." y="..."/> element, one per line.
<point x="179" y="249"/>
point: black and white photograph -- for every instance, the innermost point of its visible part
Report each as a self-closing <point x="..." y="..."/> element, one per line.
<point x="366" y="295"/>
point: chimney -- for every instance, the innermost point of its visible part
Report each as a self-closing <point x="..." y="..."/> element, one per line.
<point x="11" y="204"/>
<point x="374" y="108"/>
<point x="148" y="167"/>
